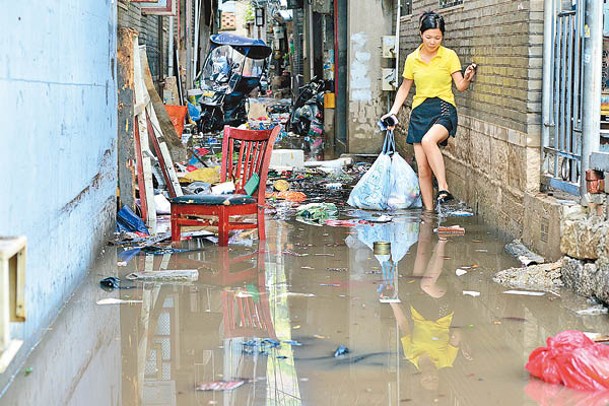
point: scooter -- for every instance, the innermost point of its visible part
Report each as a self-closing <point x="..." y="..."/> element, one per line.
<point x="232" y="70"/>
<point x="306" y="118"/>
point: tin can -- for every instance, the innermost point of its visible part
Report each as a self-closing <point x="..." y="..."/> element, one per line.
<point x="381" y="248"/>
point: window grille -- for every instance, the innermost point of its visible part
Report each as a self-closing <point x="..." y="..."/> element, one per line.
<point x="449" y="3"/>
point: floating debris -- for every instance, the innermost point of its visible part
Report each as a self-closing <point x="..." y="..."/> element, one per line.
<point x="341" y="350"/>
<point x="219" y="385"/>
<point x="472" y="293"/>
<point x="112" y="300"/>
<point x="524" y="293"/>
<point x="177" y="275"/>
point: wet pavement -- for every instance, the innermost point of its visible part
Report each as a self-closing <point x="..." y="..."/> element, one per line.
<point x="311" y="317"/>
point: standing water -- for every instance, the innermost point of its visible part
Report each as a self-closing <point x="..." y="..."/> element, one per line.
<point x="311" y="317"/>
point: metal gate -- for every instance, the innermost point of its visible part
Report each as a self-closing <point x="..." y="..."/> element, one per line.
<point x="572" y="65"/>
<point x="561" y="165"/>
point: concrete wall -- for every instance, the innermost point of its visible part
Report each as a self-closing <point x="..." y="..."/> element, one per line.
<point x="57" y="147"/>
<point x="367" y="23"/>
<point x="495" y="159"/>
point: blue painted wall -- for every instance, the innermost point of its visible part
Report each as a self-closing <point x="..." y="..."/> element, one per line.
<point x="57" y="146"/>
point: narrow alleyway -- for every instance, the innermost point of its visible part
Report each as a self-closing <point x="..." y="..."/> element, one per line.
<point x="308" y="319"/>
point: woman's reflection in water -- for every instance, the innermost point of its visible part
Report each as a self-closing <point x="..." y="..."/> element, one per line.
<point x="426" y="318"/>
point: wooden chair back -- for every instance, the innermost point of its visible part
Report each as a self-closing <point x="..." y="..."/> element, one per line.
<point x="245" y="153"/>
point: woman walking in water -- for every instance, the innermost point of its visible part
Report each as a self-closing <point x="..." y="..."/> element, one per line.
<point x="433" y="69"/>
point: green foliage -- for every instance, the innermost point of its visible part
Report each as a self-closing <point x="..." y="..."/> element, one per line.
<point x="249" y="13"/>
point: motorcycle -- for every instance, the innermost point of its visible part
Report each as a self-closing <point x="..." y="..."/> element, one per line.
<point x="307" y="116"/>
<point x="233" y="68"/>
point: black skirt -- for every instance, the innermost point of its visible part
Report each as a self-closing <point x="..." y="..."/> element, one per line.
<point x="424" y="116"/>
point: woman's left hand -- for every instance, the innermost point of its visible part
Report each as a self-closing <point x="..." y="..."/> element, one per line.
<point x="470" y="72"/>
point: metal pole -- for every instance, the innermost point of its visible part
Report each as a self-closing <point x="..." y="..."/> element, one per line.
<point x="170" y="53"/>
<point x="593" y="45"/>
<point x="310" y="46"/>
<point x="548" y="46"/>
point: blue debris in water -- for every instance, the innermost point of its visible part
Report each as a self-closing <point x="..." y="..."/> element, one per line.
<point x="260" y="346"/>
<point x="341" y="350"/>
<point x="292" y="342"/>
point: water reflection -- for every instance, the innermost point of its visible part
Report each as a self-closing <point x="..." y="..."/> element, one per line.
<point x="426" y="317"/>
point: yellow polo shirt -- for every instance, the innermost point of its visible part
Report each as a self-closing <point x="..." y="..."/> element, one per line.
<point x="433" y="79"/>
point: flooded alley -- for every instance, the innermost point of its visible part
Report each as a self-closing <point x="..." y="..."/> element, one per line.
<point x="312" y="317"/>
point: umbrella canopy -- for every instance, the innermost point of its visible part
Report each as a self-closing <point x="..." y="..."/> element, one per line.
<point x="250" y="47"/>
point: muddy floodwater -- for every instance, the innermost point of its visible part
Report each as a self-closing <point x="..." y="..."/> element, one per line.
<point x="311" y="317"/>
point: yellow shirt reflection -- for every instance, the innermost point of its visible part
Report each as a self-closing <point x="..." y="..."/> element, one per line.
<point x="431" y="338"/>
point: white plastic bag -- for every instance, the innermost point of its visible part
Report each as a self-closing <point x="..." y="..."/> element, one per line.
<point x="390" y="183"/>
<point x="404" y="192"/>
<point x="372" y="189"/>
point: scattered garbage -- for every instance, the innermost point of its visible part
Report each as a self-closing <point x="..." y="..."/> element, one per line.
<point x="571" y="359"/>
<point x="196" y="188"/>
<point x="112" y="301"/>
<point x="112" y="282"/>
<point x="288" y="195"/>
<point x="517" y="249"/>
<point x="128" y="221"/>
<point x="161" y="204"/>
<point x="524" y="293"/>
<point x="317" y="213"/>
<point x="472" y="293"/>
<point x="260" y="346"/>
<point x="594" y="310"/>
<point x="450" y="231"/>
<point x="460" y="272"/>
<point x="219" y="385"/>
<point x="281" y="185"/>
<point x="341" y="350"/>
<point x="178" y="275"/>
<point x="28" y="371"/>
<point x="545" y="277"/>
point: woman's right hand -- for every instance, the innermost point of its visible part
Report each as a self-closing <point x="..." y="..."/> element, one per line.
<point x="389" y="120"/>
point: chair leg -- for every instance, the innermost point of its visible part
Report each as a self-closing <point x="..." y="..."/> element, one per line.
<point x="223" y="229"/>
<point x="176" y="233"/>
<point x="261" y="229"/>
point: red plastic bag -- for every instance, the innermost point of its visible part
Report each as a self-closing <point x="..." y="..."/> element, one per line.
<point x="177" y="114"/>
<point x="571" y="359"/>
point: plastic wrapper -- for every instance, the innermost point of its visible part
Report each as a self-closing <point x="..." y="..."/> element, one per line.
<point x="573" y="360"/>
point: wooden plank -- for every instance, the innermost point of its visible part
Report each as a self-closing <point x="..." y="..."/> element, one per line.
<point x="163" y="155"/>
<point x="143" y="153"/>
<point x="173" y="139"/>
<point x="126" y="152"/>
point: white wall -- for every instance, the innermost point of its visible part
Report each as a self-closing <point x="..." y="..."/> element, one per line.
<point x="57" y="145"/>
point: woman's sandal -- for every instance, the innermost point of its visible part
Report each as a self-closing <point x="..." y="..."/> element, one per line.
<point x="444" y="196"/>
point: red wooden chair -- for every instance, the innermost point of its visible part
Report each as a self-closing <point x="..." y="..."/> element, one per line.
<point x="245" y="155"/>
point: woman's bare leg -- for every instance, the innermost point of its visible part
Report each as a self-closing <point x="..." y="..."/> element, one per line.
<point x="425" y="176"/>
<point x="436" y="134"/>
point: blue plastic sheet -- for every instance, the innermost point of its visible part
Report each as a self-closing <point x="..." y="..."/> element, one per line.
<point x="128" y="221"/>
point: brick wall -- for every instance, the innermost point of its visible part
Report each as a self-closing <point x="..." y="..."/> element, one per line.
<point x="147" y="26"/>
<point x="494" y="160"/>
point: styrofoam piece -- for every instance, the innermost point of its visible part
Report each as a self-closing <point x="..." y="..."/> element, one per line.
<point x="333" y="163"/>
<point x="287" y="158"/>
<point x="524" y="293"/>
